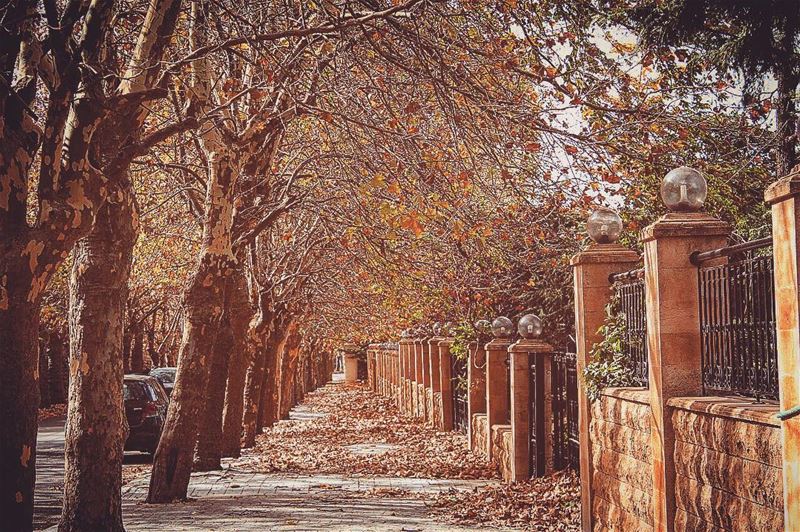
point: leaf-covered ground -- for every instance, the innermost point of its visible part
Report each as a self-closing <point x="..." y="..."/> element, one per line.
<point x="49" y="412"/>
<point x="549" y="503"/>
<point x="338" y="416"/>
<point x="318" y="440"/>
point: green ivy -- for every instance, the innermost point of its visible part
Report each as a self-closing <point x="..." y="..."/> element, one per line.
<point x="608" y="365"/>
<point x="463" y="335"/>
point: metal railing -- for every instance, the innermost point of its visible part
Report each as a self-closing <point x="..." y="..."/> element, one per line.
<point x="458" y="369"/>
<point x="737" y="321"/>
<point x="630" y="290"/>
<point x="564" y="384"/>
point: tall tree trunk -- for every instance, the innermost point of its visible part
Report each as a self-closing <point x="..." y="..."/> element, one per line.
<point x="19" y="400"/>
<point x="253" y="390"/>
<point x="95" y="433"/>
<point x="203" y="302"/>
<point x="260" y="336"/>
<point x="98" y="296"/>
<point x="44" y="381"/>
<point x="137" y="350"/>
<point x="209" y="437"/>
<point x="241" y="314"/>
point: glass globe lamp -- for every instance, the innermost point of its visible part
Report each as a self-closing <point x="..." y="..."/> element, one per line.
<point x="502" y="327"/>
<point x="530" y="326"/>
<point x="604" y="225"/>
<point x="684" y="189"/>
<point x="483" y="326"/>
<point x="437" y="329"/>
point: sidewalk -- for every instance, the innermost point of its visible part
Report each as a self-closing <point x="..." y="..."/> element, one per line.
<point x="236" y="500"/>
<point x="286" y="496"/>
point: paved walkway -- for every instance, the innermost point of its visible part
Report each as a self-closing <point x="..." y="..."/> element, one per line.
<point x="238" y="500"/>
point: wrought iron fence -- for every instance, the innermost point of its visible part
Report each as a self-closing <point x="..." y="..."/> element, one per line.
<point x="630" y="291"/>
<point x="566" y="440"/>
<point x="536" y="415"/>
<point x="458" y="375"/>
<point x="737" y="321"/>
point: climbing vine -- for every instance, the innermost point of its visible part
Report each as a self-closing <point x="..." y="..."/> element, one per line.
<point x="609" y="365"/>
<point x="463" y="335"/>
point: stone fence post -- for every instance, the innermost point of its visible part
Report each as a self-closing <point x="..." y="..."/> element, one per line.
<point x="419" y="372"/>
<point x="434" y="362"/>
<point x="498" y="404"/>
<point x="525" y="354"/>
<point x="784" y="198"/>
<point x="476" y="398"/>
<point x="673" y="335"/>
<point x="405" y="376"/>
<point x="591" y="269"/>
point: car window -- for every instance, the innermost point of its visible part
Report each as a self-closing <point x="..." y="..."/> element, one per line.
<point x="165" y="375"/>
<point x="134" y="391"/>
<point x="151" y="393"/>
<point x="162" y="394"/>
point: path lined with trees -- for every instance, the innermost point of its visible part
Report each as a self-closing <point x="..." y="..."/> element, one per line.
<point x="239" y="188"/>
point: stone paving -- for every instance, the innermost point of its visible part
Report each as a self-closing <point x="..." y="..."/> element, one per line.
<point x="234" y="499"/>
<point x="238" y="500"/>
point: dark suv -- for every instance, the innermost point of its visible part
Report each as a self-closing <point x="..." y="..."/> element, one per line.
<point x="146" y="409"/>
<point x="166" y="376"/>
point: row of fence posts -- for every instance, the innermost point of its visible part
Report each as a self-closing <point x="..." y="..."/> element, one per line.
<point x="511" y="405"/>
<point x="674" y="339"/>
<point x="505" y="400"/>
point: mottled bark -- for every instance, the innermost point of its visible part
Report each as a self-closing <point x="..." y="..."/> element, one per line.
<point x="260" y="335"/>
<point x="268" y="401"/>
<point x="30" y="255"/>
<point x="203" y="302"/>
<point x="253" y="389"/>
<point x="203" y="299"/>
<point x="99" y="292"/>
<point x="19" y="400"/>
<point x="241" y="314"/>
<point x="95" y="432"/>
<point x="209" y="435"/>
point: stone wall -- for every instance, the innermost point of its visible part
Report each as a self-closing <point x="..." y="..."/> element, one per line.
<point x="622" y="480"/>
<point x="438" y="422"/>
<point x="429" y="406"/>
<point x="503" y="450"/>
<point x="480" y="434"/>
<point x="728" y="465"/>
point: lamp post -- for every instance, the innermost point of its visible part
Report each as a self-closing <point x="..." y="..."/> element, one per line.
<point x="591" y="269"/>
<point x="673" y="320"/>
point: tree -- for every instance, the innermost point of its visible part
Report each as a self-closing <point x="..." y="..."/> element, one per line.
<point x="755" y="39"/>
<point x="95" y="433"/>
<point x="37" y="236"/>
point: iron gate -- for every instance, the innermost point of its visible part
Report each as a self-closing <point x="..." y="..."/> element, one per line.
<point x="566" y="443"/>
<point x="458" y="368"/>
<point x="536" y="416"/>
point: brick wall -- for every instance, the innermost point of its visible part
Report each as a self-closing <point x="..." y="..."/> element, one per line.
<point x="620" y="433"/>
<point x="728" y="465"/>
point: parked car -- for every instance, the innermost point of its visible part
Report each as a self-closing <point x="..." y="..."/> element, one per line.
<point x="146" y="409"/>
<point x="166" y="376"/>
